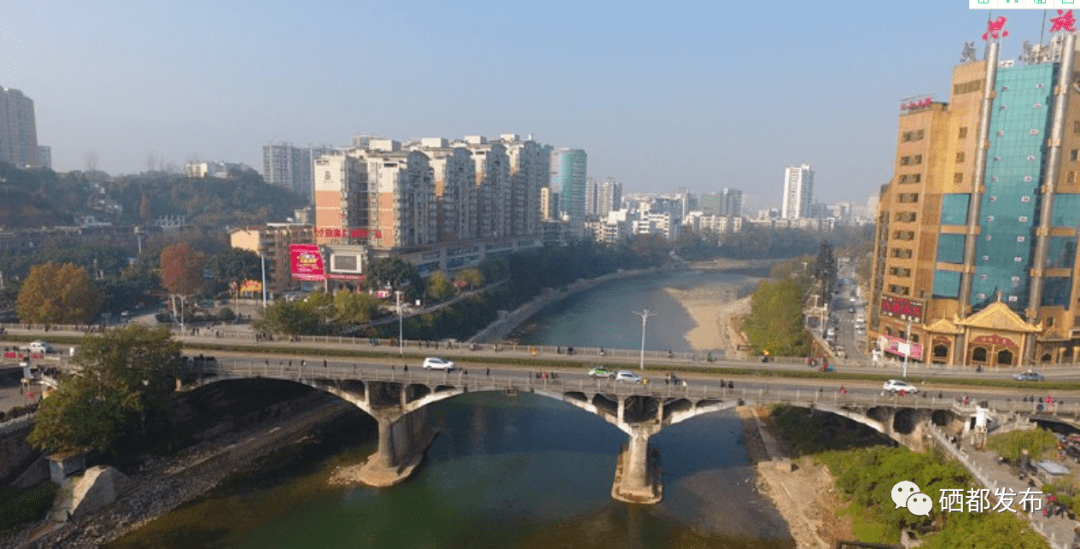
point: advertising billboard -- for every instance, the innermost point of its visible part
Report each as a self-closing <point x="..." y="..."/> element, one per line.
<point x="900" y="347"/>
<point x="307" y="262"/>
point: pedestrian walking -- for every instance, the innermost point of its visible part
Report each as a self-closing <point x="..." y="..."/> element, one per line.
<point x="324" y="365"/>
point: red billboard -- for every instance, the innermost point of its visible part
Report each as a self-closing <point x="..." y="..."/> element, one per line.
<point x="900" y="347"/>
<point x="307" y="262"/>
<point x="904" y="308"/>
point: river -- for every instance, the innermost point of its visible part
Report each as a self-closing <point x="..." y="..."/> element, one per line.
<point x="505" y="472"/>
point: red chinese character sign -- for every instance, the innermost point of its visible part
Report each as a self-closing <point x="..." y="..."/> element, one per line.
<point x="307" y="262"/>
<point x="1063" y="22"/>
<point x="995" y="29"/>
<point x="900" y="307"/>
<point x="916" y="104"/>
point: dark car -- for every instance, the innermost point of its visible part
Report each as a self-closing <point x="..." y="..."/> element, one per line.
<point x="1029" y="376"/>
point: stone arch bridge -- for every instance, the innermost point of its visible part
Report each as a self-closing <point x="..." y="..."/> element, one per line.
<point x="398" y="400"/>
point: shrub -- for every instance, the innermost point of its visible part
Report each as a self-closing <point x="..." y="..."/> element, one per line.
<point x="1036" y="442"/>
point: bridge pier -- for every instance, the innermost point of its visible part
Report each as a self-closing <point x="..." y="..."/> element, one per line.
<point x="403" y="439"/>
<point x="637" y="474"/>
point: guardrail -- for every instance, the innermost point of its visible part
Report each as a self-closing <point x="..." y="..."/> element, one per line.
<point x="17" y="422"/>
<point x="528" y="381"/>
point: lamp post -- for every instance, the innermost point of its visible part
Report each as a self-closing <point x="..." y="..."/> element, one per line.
<point x="907" y="347"/>
<point x="400" y="331"/>
<point x="644" y="319"/>
<point x="262" y="263"/>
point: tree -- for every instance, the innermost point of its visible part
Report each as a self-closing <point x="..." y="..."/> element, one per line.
<point x="439" y="286"/>
<point x="235" y="265"/>
<point x="290" y="318"/>
<point x="121" y="391"/>
<point x="470" y="278"/>
<point x="775" y="323"/>
<point x="58" y="294"/>
<point x="397" y="273"/>
<point x="355" y="308"/>
<point x="181" y="271"/>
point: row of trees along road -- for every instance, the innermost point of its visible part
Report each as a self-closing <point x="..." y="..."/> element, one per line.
<point x="118" y="398"/>
<point x="63" y="293"/>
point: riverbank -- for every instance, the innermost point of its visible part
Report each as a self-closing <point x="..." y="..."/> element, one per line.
<point x="802" y="491"/>
<point x="717" y="311"/>
<point x="162" y="485"/>
<point x="502" y="327"/>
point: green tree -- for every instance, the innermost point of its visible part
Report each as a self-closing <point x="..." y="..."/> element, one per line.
<point x="775" y="323"/>
<point x="439" y="286"/>
<point x="58" y="294"/>
<point x="470" y="278"/>
<point x="120" y="392"/>
<point x="396" y="273"/>
<point x="235" y="266"/>
<point x="355" y="308"/>
<point x="290" y="318"/>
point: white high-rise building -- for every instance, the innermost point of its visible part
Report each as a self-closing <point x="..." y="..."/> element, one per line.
<point x="798" y="192"/>
<point x="18" y="129"/>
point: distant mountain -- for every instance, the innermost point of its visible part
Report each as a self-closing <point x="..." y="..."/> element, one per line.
<point x="41" y="197"/>
<point x="239" y="199"/>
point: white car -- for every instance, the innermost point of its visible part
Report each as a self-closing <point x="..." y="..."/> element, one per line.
<point x="436" y="363"/>
<point x="898" y="385"/>
<point x="40" y="347"/>
<point x="625" y="375"/>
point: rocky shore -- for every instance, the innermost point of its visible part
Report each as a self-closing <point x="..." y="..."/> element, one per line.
<point x="803" y="491"/>
<point x="162" y="485"/>
<point x="717" y="311"/>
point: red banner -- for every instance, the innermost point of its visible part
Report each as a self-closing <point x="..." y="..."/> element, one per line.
<point x="307" y="262"/>
<point x="900" y="347"/>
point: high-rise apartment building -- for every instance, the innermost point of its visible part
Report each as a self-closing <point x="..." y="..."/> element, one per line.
<point x="568" y="169"/>
<point x="18" y="129"/>
<point x="798" y="192"/>
<point x="455" y="188"/>
<point x="731" y="203"/>
<point x="290" y="167"/>
<point x="492" y="186"/>
<point x="975" y="257"/>
<point x="381" y="196"/>
<point x="609" y="197"/>
<point x="529" y="165"/>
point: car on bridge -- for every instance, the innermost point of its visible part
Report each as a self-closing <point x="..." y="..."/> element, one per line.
<point x="627" y="376"/>
<point x="436" y="363"/>
<point x="899" y="386"/>
<point x="1029" y="376"/>
<point x="601" y="372"/>
<point x="41" y="347"/>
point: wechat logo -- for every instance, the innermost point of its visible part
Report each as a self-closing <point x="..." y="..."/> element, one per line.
<point x="906" y="494"/>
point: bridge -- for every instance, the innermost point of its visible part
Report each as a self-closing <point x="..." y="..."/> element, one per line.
<point x="397" y="399"/>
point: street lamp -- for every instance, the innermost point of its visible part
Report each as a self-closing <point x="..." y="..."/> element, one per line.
<point x="644" y="319"/>
<point x="262" y="262"/>
<point x="907" y="346"/>
<point x="400" y="340"/>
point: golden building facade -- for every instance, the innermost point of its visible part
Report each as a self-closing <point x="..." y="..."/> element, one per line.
<point x="975" y="254"/>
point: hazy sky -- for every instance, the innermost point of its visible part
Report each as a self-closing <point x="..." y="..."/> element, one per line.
<point x="661" y="95"/>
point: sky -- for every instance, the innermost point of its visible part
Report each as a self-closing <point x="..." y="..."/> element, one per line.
<point x="661" y="95"/>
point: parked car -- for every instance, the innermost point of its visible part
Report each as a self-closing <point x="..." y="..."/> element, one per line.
<point x="1029" y="376"/>
<point x="601" y="372"/>
<point x="436" y="363"/>
<point x="898" y="385"/>
<point x="628" y="376"/>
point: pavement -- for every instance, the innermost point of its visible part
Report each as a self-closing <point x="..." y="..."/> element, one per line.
<point x="1058" y="530"/>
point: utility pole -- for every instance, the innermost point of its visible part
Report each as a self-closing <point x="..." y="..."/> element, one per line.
<point x="644" y="320"/>
<point x="262" y="262"/>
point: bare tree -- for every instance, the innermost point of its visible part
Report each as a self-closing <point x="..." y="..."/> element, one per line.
<point x="91" y="159"/>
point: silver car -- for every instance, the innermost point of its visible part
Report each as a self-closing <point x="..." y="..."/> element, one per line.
<point x="899" y="385"/>
<point x="628" y="376"/>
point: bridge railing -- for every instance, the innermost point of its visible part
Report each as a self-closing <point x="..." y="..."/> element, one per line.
<point x="478" y="379"/>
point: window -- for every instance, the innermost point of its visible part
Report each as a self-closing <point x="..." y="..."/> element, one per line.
<point x="905" y="160"/>
<point x="967" y="87"/>
<point x="901" y="253"/>
<point x="917" y="159"/>
<point x="909" y="198"/>
<point x="1073" y="154"/>
<point x="906" y="217"/>
<point x="900" y="271"/>
<point x="963" y="131"/>
<point x="959" y="157"/>
<point x="958" y="177"/>
<point x="1070" y="177"/>
<point x="899" y="290"/>
<point x="1076" y="127"/>
<point x="904" y="235"/>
